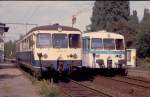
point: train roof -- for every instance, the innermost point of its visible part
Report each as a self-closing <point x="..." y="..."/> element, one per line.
<point x="102" y="33"/>
<point x="53" y="27"/>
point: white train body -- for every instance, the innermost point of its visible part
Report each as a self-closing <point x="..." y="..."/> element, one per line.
<point x="59" y="46"/>
<point x="103" y="50"/>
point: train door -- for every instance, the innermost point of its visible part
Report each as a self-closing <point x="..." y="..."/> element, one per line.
<point x="131" y="57"/>
<point x="85" y="53"/>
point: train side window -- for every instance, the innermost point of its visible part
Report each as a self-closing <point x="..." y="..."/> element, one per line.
<point x="43" y="40"/>
<point x="119" y="44"/>
<point x="74" y="41"/>
<point x="87" y="44"/>
<point x="30" y="42"/>
<point x="83" y="44"/>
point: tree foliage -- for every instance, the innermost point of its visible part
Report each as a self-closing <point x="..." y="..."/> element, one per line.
<point x="133" y="22"/>
<point x="10" y="49"/>
<point x="143" y="36"/>
<point x="115" y="17"/>
<point x="110" y="16"/>
<point x="143" y="45"/>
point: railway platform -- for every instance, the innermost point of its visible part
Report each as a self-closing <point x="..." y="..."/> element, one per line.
<point x="13" y="83"/>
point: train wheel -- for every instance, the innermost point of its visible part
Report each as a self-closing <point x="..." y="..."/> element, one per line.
<point x="17" y="64"/>
<point x="37" y="75"/>
<point x="124" y="72"/>
<point x="61" y="68"/>
<point x="70" y="69"/>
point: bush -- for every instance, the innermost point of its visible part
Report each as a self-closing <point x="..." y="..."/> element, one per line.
<point x="147" y="59"/>
<point x="143" y="44"/>
<point x="145" y="63"/>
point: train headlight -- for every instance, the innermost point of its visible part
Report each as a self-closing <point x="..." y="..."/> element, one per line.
<point x="75" y="56"/>
<point x="119" y="56"/>
<point x="45" y="56"/>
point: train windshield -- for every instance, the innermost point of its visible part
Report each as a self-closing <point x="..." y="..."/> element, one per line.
<point x="60" y="40"/>
<point x="43" y="40"/>
<point x="96" y="43"/>
<point x="119" y="44"/>
<point x="74" y="41"/>
<point x="109" y="44"/>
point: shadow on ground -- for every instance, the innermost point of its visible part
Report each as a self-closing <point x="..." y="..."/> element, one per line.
<point x="6" y="65"/>
<point x="83" y="75"/>
<point x="78" y="75"/>
<point x="8" y="76"/>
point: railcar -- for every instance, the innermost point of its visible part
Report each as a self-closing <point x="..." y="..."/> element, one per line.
<point x="104" y="50"/>
<point x="54" y="47"/>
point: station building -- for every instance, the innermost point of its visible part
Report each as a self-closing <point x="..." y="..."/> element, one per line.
<point x="3" y="29"/>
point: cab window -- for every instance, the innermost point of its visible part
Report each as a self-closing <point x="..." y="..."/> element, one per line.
<point x="109" y="44"/>
<point x="74" y="41"/>
<point x="43" y="40"/>
<point x="96" y="43"/>
<point x="60" y="40"/>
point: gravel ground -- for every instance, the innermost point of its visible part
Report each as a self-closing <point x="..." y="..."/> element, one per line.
<point x="117" y="88"/>
<point x="14" y="84"/>
<point x="139" y="72"/>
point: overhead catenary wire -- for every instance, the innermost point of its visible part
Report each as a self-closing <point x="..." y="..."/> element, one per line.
<point x="35" y="10"/>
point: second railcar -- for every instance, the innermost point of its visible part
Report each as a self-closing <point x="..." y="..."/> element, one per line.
<point x="104" y="50"/>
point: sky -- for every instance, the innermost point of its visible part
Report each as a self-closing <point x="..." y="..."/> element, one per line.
<point x="50" y="12"/>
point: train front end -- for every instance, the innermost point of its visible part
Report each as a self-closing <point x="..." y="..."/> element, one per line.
<point x="106" y="51"/>
<point x="58" y="50"/>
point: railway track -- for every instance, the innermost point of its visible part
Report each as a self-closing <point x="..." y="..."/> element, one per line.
<point x="130" y="81"/>
<point x="77" y="89"/>
<point x="133" y="81"/>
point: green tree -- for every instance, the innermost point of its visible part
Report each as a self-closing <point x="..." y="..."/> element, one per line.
<point x="133" y="23"/>
<point x="110" y="16"/>
<point x="143" y="45"/>
<point x="10" y="49"/>
<point x="143" y="36"/>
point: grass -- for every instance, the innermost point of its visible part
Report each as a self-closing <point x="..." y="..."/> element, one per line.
<point x="45" y="87"/>
<point x="145" y="63"/>
<point x="48" y="89"/>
